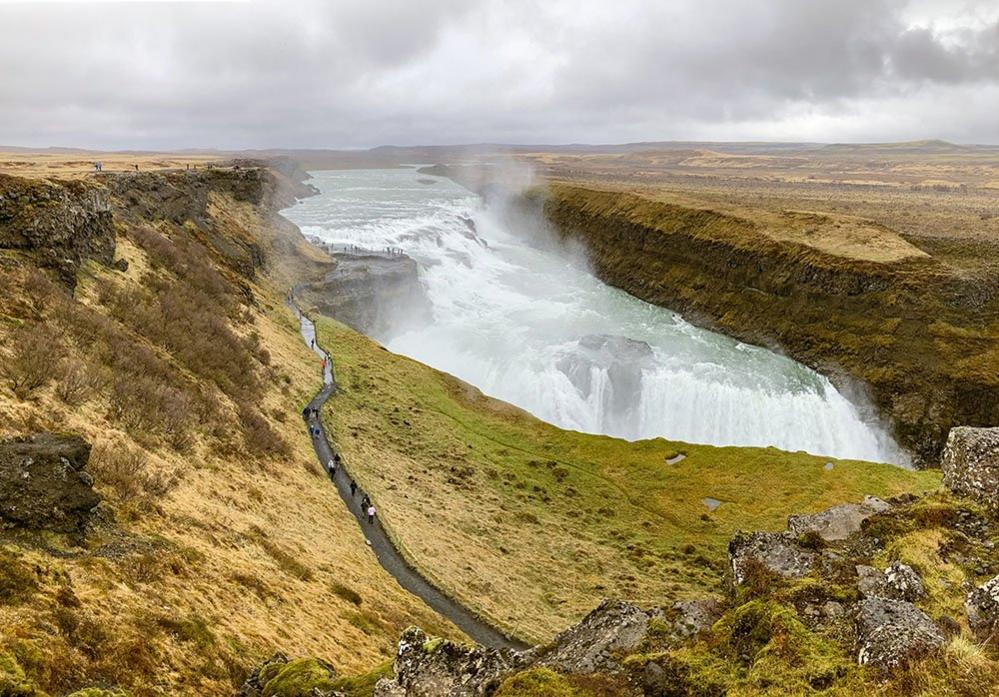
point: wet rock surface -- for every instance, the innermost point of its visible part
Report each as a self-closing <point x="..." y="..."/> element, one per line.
<point x="44" y="484"/>
<point x="893" y="633"/>
<point x="373" y="293"/>
<point x="970" y="464"/>
<point x="622" y="358"/>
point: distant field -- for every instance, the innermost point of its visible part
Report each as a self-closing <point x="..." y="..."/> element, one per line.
<point x="533" y="525"/>
<point x="81" y="163"/>
<point x="940" y="197"/>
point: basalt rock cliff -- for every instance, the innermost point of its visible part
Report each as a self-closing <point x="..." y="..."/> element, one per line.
<point x="55" y="225"/>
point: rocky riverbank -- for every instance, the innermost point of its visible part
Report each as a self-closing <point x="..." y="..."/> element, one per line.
<point x="372" y="292"/>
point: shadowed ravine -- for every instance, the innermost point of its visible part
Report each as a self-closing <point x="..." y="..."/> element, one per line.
<point x="375" y="535"/>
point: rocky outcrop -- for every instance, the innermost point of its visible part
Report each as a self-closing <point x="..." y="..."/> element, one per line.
<point x="688" y="618"/>
<point x="838" y="522"/>
<point x="43" y="483"/>
<point x="426" y="667"/>
<point x="599" y="641"/>
<point x="898" y="582"/>
<point x="905" y="326"/>
<point x="893" y="633"/>
<point x="186" y="197"/>
<point x="374" y="293"/>
<point x="623" y="360"/>
<point x="970" y="464"/>
<point x="982" y="605"/>
<point x="280" y="676"/>
<point x="773" y="552"/>
<point x="58" y="224"/>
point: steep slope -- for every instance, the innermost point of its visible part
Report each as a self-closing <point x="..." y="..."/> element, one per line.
<point x="218" y="538"/>
<point x="531" y="525"/>
<point x="849" y="298"/>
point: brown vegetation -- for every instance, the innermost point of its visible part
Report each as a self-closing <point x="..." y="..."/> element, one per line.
<point x="214" y="544"/>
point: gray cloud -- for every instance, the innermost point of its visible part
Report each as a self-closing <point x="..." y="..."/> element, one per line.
<point x="353" y="74"/>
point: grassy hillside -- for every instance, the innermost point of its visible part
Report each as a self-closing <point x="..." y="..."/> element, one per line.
<point x="218" y="541"/>
<point x="532" y="525"/>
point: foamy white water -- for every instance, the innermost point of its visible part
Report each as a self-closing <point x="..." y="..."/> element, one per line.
<point x="528" y="324"/>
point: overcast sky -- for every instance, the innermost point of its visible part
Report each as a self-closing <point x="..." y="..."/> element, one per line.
<point x="368" y="72"/>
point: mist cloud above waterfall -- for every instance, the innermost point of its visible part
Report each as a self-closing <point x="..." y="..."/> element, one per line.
<point x="353" y="74"/>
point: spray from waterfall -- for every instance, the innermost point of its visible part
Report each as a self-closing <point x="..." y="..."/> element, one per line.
<point x="516" y="313"/>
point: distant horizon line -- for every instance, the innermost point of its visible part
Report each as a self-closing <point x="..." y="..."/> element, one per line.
<point x="488" y="144"/>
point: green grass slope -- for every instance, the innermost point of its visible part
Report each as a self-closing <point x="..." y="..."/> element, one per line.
<point x="532" y="525"/>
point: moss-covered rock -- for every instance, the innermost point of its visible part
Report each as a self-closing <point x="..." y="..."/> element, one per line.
<point x="280" y="676"/>
<point x="535" y="683"/>
<point x="13" y="682"/>
<point x="300" y="677"/>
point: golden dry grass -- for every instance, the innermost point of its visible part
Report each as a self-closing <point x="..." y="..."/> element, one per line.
<point x="245" y="555"/>
<point x="834" y="235"/>
<point x="79" y="164"/>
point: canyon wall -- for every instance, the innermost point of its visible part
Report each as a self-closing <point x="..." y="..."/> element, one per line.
<point x="867" y="309"/>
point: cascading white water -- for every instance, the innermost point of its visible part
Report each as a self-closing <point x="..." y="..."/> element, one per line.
<point x="527" y="323"/>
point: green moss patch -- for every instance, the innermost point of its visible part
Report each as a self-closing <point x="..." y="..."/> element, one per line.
<point x="296" y="678"/>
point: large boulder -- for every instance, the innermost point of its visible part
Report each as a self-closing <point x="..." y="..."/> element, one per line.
<point x="971" y="464"/>
<point x="613" y="628"/>
<point x="775" y="552"/>
<point x="838" y="522"/>
<point x="893" y="633"/>
<point x="43" y="483"/>
<point x="426" y="667"/>
<point x="982" y="605"/>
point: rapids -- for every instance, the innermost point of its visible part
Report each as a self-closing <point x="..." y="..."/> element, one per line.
<point x="524" y="321"/>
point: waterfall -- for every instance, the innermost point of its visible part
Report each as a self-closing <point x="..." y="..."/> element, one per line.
<point x="525" y="321"/>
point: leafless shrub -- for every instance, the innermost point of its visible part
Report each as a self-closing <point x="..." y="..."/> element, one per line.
<point x="37" y="349"/>
<point x="260" y="438"/>
<point x="126" y="470"/>
<point x="73" y="381"/>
